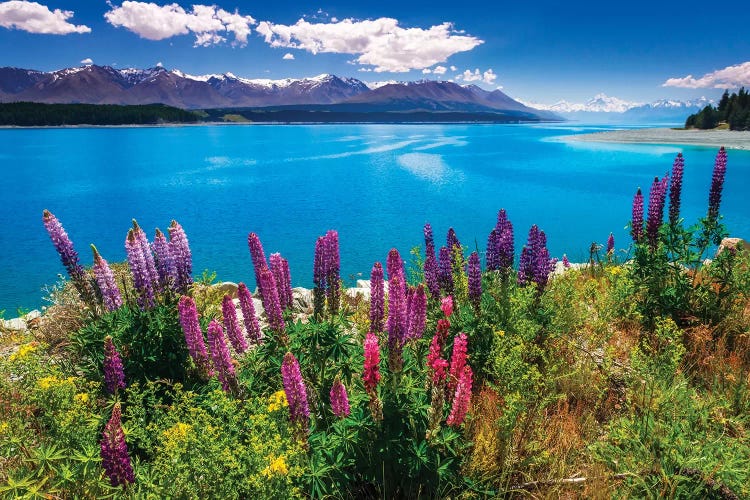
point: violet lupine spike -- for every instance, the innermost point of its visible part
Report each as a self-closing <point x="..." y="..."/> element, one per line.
<point x="394" y="264"/>
<point x="461" y="398"/>
<point x="636" y="229"/>
<point x="114" y="451"/>
<point x="179" y="247"/>
<point x="296" y="393"/>
<point x="164" y="261"/>
<point x="271" y="302"/>
<point x="543" y="264"/>
<point x="114" y="374"/>
<point x="232" y="325"/>
<point x="675" y="189"/>
<point x="339" y="399"/>
<point x="475" y="281"/>
<point x="417" y="313"/>
<point x="333" y="267"/>
<point x="148" y="255"/>
<point x="396" y="321"/>
<point x="105" y="279"/>
<point x="525" y="266"/>
<point x="492" y="258"/>
<point x="277" y="269"/>
<point x="222" y="361"/>
<point x="194" y="335"/>
<point x="656" y="201"/>
<point x="611" y="244"/>
<point x="445" y="270"/>
<point x="248" y="313"/>
<point x="287" y="277"/>
<point x="319" y="276"/>
<point x="258" y="257"/>
<point x="377" y="298"/>
<point x="717" y="184"/>
<point x="566" y="262"/>
<point x="458" y="359"/>
<point x="431" y="275"/>
<point x="451" y="239"/>
<point x="429" y="240"/>
<point x="505" y="244"/>
<point x="68" y="254"/>
<point x="141" y="278"/>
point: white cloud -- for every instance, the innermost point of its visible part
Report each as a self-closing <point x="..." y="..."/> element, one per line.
<point x="37" y="18"/>
<point x="206" y="22"/>
<point x="731" y="76"/>
<point x="426" y="71"/>
<point x="380" y="43"/>
<point x="159" y="64"/>
<point x="88" y="60"/>
<point x="453" y="68"/>
<point x="288" y="56"/>
<point x="487" y="77"/>
<point x="440" y="70"/>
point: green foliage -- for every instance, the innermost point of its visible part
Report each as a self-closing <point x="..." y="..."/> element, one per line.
<point x="733" y="110"/>
<point x="27" y="114"/>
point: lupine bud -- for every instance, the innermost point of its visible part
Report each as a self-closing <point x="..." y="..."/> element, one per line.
<point x="429" y="240"/>
<point x="566" y="262"/>
<point x="222" y="361"/>
<point x="114" y="375"/>
<point x="395" y="265"/>
<point x="636" y="229"/>
<point x="461" y="399"/>
<point x="452" y="240"/>
<point x="492" y="259"/>
<point x="248" y="313"/>
<point x="68" y="255"/>
<point x="431" y="275"/>
<point x="505" y="244"/>
<point x="148" y="255"/>
<point x="525" y="266"/>
<point x="377" y="298"/>
<point x="232" y="325"/>
<point x="447" y="306"/>
<point x="675" y="189"/>
<point x="114" y="451"/>
<point x="280" y="271"/>
<point x="611" y="244"/>
<point x="458" y="359"/>
<point x="296" y="393"/>
<point x="319" y="277"/>
<point x="445" y="270"/>
<point x="164" y="261"/>
<point x="656" y="201"/>
<point x="258" y="257"/>
<point x="717" y="184"/>
<point x="333" y="267"/>
<point x="105" y="279"/>
<point x="271" y="302"/>
<point x="141" y="278"/>
<point x="179" y="248"/>
<point x="339" y="399"/>
<point x="193" y="334"/>
<point x="475" y="281"/>
<point x="417" y="313"/>
<point x="287" y="276"/>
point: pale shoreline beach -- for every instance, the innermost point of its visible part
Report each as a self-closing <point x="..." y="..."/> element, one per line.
<point x="728" y="138"/>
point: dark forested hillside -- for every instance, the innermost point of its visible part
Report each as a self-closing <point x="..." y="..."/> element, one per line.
<point x="35" y="114"/>
<point x="733" y="110"/>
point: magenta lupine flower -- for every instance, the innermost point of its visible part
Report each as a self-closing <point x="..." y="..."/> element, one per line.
<point x="461" y="399"/>
<point x="105" y="279"/>
<point x="371" y="371"/>
<point x="114" y="451"/>
<point x="271" y="302"/>
<point x="492" y="258"/>
<point x="447" y="306"/>
<point x="377" y="298"/>
<point x="179" y="248"/>
<point x="435" y="363"/>
<point x="232" y="325"/>
<point x="144" y="287"/>
<point x="222" y="361"/>
<point x="258" y="257"/>
<point x="296" y="393"/>
<point x="148" y="256"/>
<point x="656" y="200"/>
<point x="333" y="267"/>
<point x="280" y="270"/>
<point x="248" y="313"/>
<point x="458" y="359"/>
<point x="287" y="276"/>
<point x="505" y="245"/>
<point x="717" y="184"/>
<point x="68" y="254"/>
<point x="417" y="313"/>
<point x="611" y="243"/>
<point x="445" y="270"/>
<point x="394" y="265"/>
<point x="636" y="230"/>
<point x="475" y="281"/>
<point x="164" y="262"/>
<point x="431" y="275"/>
<point x="339" y="399"/>
<point x="114" y="374"/>
<point x="565" y="261"/>
<point x="675" y="189"/>
<point x="429" y="240"/>
<point x="193" y="334"/>
<point x="397" y="321"/>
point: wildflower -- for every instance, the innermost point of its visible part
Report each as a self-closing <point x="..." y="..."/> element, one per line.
<point x="636" y="229"/>
<point x="492" y="258"/>
<point x="675" y="189"/>
<point x="417" y="316"/>
<point x="294" y="388"/>
<point x="114" y="451"/>
<point x="105" y="279"/>
<point x="232" y="325"/>
<point x="280" y="270"/>
<point x="475" y="281"/>
<point x="566" y="262"/>
<point x="24" y="351"/>
<point x="431" y="276"/>
<point x="717" y="184"/>
<point x="114" y="376"/>
<point x="611" y="244"/>
<point x="395" y="266"/>
<point x="452" y="240"/>
<point x="535" y="264"/>
<point x="339" y="399"/>
<point x="333" y="266"/>
<point x="505" y="246"/>
<point x="458" y="360"/>
<point x="429" y="241"/>
<point x="271" y="303"/>
<point x="165" y="266"/>
<point x="377" y="298"/>
<point x="656" y="200"/>
<point x="461" y="398"/>
<point x="447" y="306"/>
<point x="276" y="467"/>
<point x="319" y="277"/>
<point x="68" y="254"/>
<point x="371" y="375"/>
<point x="277" y="401"/>
<point x="445" y="270"/>
<point x="258" y="257"/>
<point x="138" y="268"/>
<point x="436" y="364"/>
<point x="220" y="357"/>
<point x="193" y="334"/>
<point x="396" y="322"/>
<point x="179" y="249"/>
<point x="248" y="313"/>
<point x="148" y="256"/>
<point x="81" y="397"/>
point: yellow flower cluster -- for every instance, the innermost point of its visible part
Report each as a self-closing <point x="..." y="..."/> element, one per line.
<point x="4" y="426"/>
<point x="82" y="397"/>
<point x="51" y="382"/>
<point x="615" y="270"/>
<point x="277" y="401"/>
<point x="276" y="467"/>
<point x="24" y="351"/>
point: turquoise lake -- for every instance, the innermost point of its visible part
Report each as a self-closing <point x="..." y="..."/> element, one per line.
<point x="376" y="184"/>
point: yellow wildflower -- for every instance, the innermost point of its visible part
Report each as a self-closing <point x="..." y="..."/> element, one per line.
<point x="276" y="467"/>
<point x="615" y="270"/>
<point x="24" y="351"/>
<point x="82" y="397"/>
<point x="500" y="333"/>
<point x="48" y="382"/>
<point x="4" y="426"/>
<point x="178" y="432"/>
<point x="277" y="401"/>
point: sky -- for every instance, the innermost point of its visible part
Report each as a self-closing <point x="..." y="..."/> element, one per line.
<point x="540" y="51"/>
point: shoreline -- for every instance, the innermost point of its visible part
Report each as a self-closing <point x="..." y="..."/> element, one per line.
<point x="730" y="139"/>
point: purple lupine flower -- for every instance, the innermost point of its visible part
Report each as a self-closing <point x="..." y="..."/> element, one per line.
<point x="248" y="313"/>
<point x="296" y="393"/>
<point x="417" y="315"/>
<point x="232" y="325"/>
<point x="339" y="399"/>
<point x="429" y="240"/>
<point x="222" y="361"/>
<point x="394" y="265"/>
<point x="193" y="334"/>
<point x="68" y="254"/>
<point x="333" y="267"/>
<point x="636" y="229"/>
<point x="280" y="270"/>
<point x="492" y="259"/>
<point x="396" y="321"/>
<point x="611" y="243"/>
<point x="543" y="264"/>
<point x="141" y="278"/>
<point x="271" y="302"/>
<point x="148" y="255"/>
<point x="431" y="275"/>
<point x="164" y="261"/>
<point x="105" y="279"/>
<point x="319" y="276"/>
<point x="525" y="266"/>
<point x="114" y="451"/>
<point x="179" y="248"/>
<point x="505" y="244"/>
<point x="377" y="298"/>
<point x="475" y="281"/>
<point x="675" y="189"/>
<point x="656" y="199"/>
<point x="452" y="240"/>
<point x="717" y="184"/>
<point x="258" y="257"/>
<point x="287" y="277"/>
<point x="114" y="374"/>
<point x="445" y="270"/>
<point x="566" y="262"/>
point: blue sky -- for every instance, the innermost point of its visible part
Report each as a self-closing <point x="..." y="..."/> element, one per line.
<point x="536" y="51"/>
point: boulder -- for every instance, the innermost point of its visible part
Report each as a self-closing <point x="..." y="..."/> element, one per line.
<point x="363" y="284"/>
<point x="731" y="244"/>
<point x="302" y="299"/>
<point x="15" y="324"/>
<point x="364" y="292"/>
<point x="227" y="288"/>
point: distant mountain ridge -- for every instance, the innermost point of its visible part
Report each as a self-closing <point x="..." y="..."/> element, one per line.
<point x="94" y="84"/>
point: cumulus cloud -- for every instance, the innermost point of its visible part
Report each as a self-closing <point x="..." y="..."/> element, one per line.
<point x="37" y="18"/>
<point x="731" y="76"/>
<point x="453" y="68"/>
<point x="440" y="70"/>
<point x="88" y="60"/>
<point x="487" y="77"/>
<point x="288" y="56"/>
<point x="426" y="71"/>
<point x="380" y="43"/>
<point x="157" y="22"/>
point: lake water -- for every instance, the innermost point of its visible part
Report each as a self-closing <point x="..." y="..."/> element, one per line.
<point x="376" y="184"/>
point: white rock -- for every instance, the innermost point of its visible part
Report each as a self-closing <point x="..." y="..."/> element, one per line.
<point x="227" y="287"/>
<point x="302" y="299"/>
<point x="16" y="324"/>
<point x="363" y="283"/>
<point x="353" y="292"/>
<point x="33" y="315"/>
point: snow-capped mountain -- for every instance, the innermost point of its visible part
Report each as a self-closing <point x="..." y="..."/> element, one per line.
<point x="600" y="103"/>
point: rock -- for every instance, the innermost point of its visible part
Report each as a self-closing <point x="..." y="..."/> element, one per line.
<point x="258" y="305"/>
<point x="364" y="292"/>
<point x="731" y="244"/>
<point x="227" y="288"/>
<point x="35" y="314"/>
<point x="363" y="283"/>
<point x="302" y="299"/>
<point x="15" y="324"/>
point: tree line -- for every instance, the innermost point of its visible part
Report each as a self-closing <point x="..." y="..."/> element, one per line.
<point x="28" y="114"/>
<point x="734" y="110"/>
